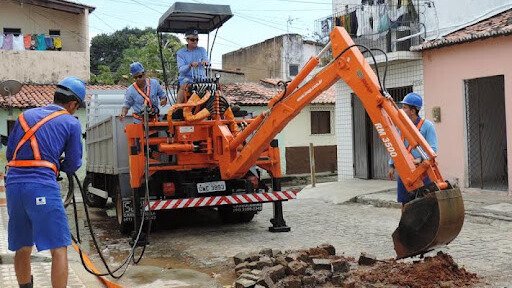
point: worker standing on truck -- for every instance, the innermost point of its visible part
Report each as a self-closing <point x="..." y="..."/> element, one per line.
<point x="144" y="92"/>
<point x="411" y="105"/>
<point x="192" y="61"/>
<point x="34" y="203"/>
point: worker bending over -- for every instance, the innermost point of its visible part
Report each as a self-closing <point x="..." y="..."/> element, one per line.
<point x="411" y="105"/>
<point x="34" y="203"/>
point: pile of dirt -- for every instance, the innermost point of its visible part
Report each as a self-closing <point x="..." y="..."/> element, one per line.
<point x="321" y="267"/>
<point x="437" y="271"/>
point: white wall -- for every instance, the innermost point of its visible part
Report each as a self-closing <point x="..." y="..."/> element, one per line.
<point x="43" y="67"/>
<point x="298" y="132"/>
<point x="399" y="74"/>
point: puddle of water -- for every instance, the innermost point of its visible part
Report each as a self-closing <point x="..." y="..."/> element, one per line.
<point x="151" y="276"/>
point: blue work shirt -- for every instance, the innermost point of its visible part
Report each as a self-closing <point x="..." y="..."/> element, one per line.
<point x="61" y="134"/>
<point x="428" y="132"/>
<point x="184" y="57"/>
<point x="132" y="98"/>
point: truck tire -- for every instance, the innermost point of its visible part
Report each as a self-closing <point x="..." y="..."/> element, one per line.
<point x="90" y="199"/>
<point x="125" y="227"/>
<point x="228" y="216"/>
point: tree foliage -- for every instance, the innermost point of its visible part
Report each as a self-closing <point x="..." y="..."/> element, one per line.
<point x="111" y="55"/>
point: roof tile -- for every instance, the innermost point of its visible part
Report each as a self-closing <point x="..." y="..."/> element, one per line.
<point x="247" y="93"/>
<point x="33" y="95"/>
<point x="497" y="25"/>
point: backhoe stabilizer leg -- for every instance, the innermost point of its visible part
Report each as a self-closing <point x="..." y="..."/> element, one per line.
<point x="278" y="223"/>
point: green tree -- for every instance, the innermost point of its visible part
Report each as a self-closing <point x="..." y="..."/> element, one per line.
<point x="104" y="77"/>
<point x="132" y="45"/>
<point x="107" y="49"/>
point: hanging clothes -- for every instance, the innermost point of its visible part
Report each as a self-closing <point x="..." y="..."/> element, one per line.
<point x="384" y="18"/>
<point x="353" y="23"/>
<point x="27" y="39"/>
<point x="7" y="45"/>
<point x="33" y="42"/>
<point x="49" y="43"/>
<point x="363" y="21"/>
<point x="57" y="41"/>
<point x="346" y="22"/>
<point x="41" y="43"/>
<point x="17" y="42"/>
<point x="375" y="17"/>
<point x="338" y="21"/>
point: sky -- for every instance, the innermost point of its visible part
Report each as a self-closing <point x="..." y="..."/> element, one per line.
<point x="253" y="21"/>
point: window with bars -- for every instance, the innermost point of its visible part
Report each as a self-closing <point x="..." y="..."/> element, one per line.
<point x="294" y="69"/>
<point x="15" y="31"/>
<point x="320" y="122"/>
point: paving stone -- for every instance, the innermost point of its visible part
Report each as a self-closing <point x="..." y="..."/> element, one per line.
<point x="244" y="283"/>
<point x="321" y="263"/>
<point x="297" y="268"/>
<point x="367" y="259"/>
<point x="275" y="273"/>
<point x="329" y="248"/>
<point x="241" y="257"/>
<point x="267" y="252"/>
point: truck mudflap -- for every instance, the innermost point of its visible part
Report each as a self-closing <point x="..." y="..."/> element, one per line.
<point x="236" y="199"/>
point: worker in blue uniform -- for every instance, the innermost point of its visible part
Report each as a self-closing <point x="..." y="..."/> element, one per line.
<point x="411" y="105"/>
<point x="34" y="203"/>
<point x="144" y="92"/>
<point x="192" y="61"/>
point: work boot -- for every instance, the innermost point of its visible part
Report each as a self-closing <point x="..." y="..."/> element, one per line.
<point x="28" y="285"/>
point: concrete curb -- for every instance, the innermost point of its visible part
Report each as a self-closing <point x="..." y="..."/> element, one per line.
<point x="382" y="199"/>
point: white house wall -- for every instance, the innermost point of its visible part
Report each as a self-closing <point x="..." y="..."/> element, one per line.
<point x="298" y="132"/>
<point x="399" y="75"/>
<point x="45" y="67"/>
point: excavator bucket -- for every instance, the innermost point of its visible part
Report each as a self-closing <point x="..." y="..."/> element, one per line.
<point x="429" y="222"/>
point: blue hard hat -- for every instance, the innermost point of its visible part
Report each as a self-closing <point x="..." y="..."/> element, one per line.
<point x="413" y="99"/>
<point x="72" y="86"/>
<point x="136" y="68"/>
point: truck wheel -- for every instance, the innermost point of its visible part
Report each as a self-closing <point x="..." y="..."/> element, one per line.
<point x="246" y="217"/>
<point x="125" y="227"/>
<point x="91" y="199"/>
<point x="228" y="216"/>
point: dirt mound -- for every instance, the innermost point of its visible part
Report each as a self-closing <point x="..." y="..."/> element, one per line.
<point x="437" y="271"/>
<point x="321" y="267"/>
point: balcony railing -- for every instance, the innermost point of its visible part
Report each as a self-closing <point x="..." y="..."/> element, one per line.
<point x="388" y="27"/>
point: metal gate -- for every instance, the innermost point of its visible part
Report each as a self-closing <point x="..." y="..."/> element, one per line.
<point x="486" y="133"/>
<point x="370" y="156"/>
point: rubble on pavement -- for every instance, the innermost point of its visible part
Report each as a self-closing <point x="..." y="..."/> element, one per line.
<point x="321" y="267"/>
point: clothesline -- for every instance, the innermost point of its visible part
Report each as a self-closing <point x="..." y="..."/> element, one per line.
<point x="19" y="42"/>
<point x="372" y="20"/>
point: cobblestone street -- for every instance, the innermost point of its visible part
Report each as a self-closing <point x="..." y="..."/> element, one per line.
<point x="483" y="247"/>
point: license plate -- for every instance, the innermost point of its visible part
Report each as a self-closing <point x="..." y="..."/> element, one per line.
<point x="208" y="187"/>
<point x="247" y="207"/>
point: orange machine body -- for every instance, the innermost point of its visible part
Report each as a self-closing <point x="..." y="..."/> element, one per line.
<point x="203" y="140"/>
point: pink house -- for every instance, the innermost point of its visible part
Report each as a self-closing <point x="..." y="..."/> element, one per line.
<point x="468" y="94"/>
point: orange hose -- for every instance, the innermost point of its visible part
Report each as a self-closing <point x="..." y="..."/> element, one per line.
<point x="91" y="267"/>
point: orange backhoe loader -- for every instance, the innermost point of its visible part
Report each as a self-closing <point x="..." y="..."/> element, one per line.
<point x="207" y="151"/>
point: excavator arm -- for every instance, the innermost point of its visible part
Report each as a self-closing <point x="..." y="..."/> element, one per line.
<point x="427" y="222"/>
<point x="350" y="66"/>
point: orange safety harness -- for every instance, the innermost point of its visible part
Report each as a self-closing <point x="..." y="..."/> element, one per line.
<point x="30" y="135"/>
<point x="147" y="100"/>
<point x="420" y="123"/>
